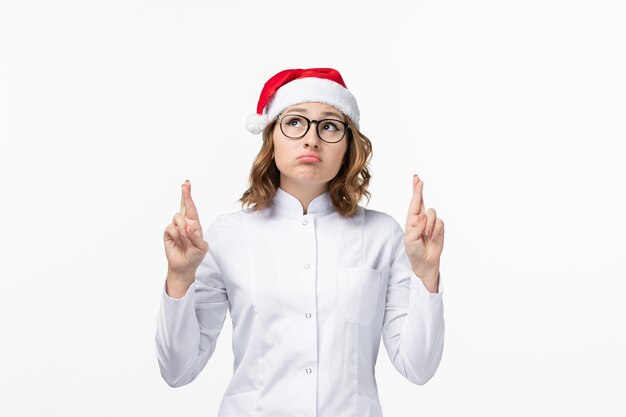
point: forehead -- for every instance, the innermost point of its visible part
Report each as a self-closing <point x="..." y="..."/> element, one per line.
<point x="313" y="107"/>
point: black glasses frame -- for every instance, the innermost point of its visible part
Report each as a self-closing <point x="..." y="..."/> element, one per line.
<point x="309" y="122"/>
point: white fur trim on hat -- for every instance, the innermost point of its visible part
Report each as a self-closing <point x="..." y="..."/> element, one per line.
<point x="312" y="89"/>
<point x="255" y="123"/>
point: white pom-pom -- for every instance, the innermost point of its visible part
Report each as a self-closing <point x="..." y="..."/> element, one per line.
<point x="255" y="123"/>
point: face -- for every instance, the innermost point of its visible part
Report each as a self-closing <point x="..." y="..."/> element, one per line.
<point x="288" y="152"/>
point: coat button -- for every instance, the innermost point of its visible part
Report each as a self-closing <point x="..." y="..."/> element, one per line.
<point x="308" y="315"/>
<point x="306" y="266"/>
<point x="308" y="370"/>
<point x="305" y="222"/>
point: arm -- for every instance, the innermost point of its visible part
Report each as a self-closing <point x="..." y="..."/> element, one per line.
<point x="188" y="327"/>
<point x="413" y="324"/>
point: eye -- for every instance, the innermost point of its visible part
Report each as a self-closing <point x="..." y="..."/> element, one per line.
<point x="294" y="121"/>
<point x="328" y="125"/>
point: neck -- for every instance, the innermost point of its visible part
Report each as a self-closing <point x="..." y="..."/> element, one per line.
<point x="303" y="191"/>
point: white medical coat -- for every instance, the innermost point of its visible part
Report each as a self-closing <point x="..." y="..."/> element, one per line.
<point x="309" y="296"/>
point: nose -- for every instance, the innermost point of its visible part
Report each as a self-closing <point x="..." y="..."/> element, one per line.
<point x="311" y="138"/>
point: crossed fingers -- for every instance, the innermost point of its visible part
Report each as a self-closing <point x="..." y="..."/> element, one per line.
<point x="417" y="214"/>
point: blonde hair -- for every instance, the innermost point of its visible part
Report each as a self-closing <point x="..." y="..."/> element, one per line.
<point x="345" y="190"/>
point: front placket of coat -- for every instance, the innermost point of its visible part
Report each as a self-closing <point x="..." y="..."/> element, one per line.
<point x="286" y="297"/>
<point x="302" y="308"/>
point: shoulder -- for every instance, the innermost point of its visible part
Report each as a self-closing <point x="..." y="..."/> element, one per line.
<point x="376" y="218"/>
<point x="228" y="220"/>
<point x="383" y="226"/>
<point x="222" y="229"/>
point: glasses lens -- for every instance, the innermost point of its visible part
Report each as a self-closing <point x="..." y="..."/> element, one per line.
<point x="293" y="126"/>
<point x="331" y="130"/>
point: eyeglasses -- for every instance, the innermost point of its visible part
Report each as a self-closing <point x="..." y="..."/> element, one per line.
<point x="295" y="126"/>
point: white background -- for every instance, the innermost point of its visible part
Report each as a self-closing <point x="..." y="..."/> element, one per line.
<point x="512" y="113"/>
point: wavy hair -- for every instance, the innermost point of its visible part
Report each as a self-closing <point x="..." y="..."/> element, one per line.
<point x="345" y="190"/>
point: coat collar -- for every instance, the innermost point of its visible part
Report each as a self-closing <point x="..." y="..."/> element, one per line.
<point x="285" y="201"/>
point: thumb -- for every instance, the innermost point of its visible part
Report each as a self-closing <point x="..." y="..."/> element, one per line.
<point x="414" y="233"/>
<point x="195" y="236"/>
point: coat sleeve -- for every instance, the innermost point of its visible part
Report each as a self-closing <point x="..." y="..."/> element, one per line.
<point x="413" y="324"/>
<point x="188" y="327"/>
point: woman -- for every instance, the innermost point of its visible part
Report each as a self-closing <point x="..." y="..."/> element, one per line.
<point x="311" y="279"/>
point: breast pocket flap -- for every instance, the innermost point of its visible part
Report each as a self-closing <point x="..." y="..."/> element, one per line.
<point x="357" y="293"/>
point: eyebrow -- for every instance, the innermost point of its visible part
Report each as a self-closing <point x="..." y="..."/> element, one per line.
<point x="326" y="113"/>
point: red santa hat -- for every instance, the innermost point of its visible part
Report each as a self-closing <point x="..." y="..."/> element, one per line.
<point x="294" y="86"/>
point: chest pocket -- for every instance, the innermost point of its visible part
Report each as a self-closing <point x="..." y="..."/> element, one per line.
<point x="357" y="293"/>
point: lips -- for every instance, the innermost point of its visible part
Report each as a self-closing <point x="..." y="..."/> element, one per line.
<point x="310" y="157"/>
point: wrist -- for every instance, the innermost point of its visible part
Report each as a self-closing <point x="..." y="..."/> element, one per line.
<point x="177" y="283"/>
<point x="180" y="276"/>
<point x="175" y="288"/>
<point x="429" y="277"/>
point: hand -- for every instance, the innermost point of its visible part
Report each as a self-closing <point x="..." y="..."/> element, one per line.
<point x="184" y="246"/>
<point x="423" y="237"/>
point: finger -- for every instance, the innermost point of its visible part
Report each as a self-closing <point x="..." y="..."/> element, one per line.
<point x="171" y="234"/>
<point x="181" y="224"/>
<point x="182" y="198"/>
<point x="416" y="230"/>
<point x="416" y="206"/>
<point x="436" y="241"/>
<point x="431" y="216"/>
<point x="195" y="236"/>
<point x="438" y="232"/>
<point x="421" y="190"/>
<point x="190" y="208"/>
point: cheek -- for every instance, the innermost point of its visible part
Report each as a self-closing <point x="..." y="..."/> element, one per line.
<point x="282" y="153"/>
<point x="279" y="149"/>
<point x="341" y="156"/>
